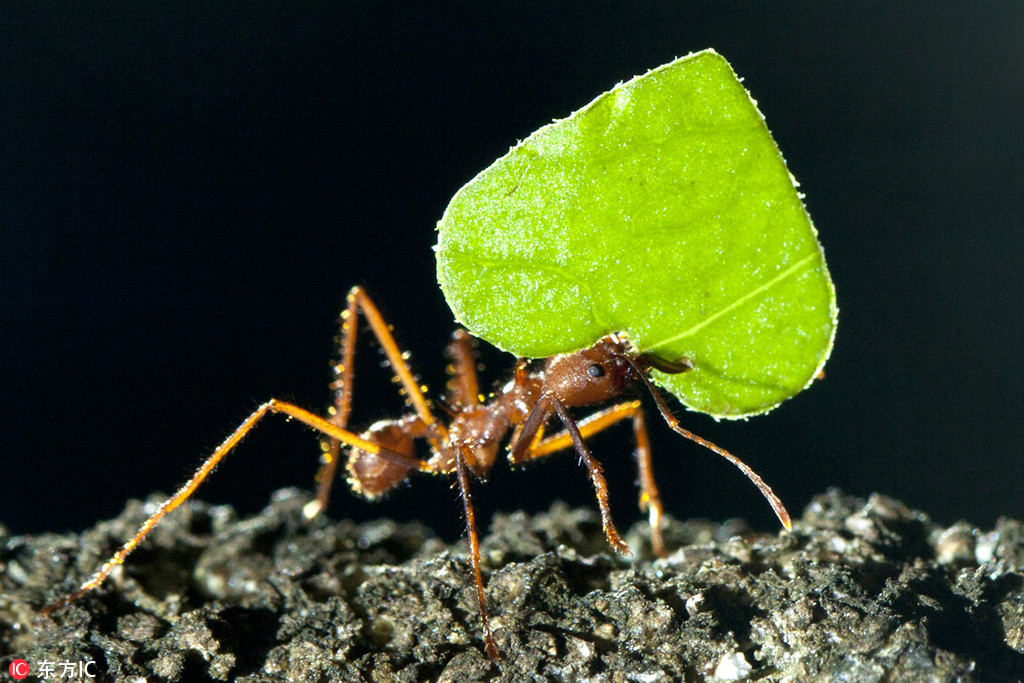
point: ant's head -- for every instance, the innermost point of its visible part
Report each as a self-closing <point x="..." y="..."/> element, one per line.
<point x="591" y="375"/>
<point x="601" y="372"/>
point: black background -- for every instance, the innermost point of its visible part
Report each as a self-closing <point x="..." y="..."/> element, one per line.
<point x="186" y="196"/>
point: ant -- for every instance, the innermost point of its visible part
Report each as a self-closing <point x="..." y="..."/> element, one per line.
<point x="384" y="455"/>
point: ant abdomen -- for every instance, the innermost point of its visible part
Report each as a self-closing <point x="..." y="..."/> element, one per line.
<point x="372" y="475"/>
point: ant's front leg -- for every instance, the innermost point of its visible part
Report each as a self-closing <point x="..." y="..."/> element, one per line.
<point x="650" y="499"/>
<point x="359" y="301"/>
<point x="527" y="442"/>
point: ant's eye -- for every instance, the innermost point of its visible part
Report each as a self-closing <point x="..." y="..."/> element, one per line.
<point x="595" y="370"/>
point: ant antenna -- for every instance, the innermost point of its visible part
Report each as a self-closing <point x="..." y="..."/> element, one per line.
<point x="447" y="406"/>
<point x="673" y="423"/>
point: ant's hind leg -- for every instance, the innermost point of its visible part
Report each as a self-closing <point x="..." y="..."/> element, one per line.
<point x="186" y="491"/>
<point x="330" y="449"/>
<point x="359" y="301"/>
<point x="412" y="390"/>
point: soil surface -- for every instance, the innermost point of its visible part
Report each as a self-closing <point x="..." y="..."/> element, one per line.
<point x="858" y="591"/>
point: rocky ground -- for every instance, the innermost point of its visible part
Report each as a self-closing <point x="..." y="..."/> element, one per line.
<point x="859" y="591"/>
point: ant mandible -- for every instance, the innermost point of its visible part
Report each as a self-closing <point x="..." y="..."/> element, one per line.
<point x="385" y="454"/>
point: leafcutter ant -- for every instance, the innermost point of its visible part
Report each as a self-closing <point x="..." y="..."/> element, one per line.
<point x="385" y="454"/>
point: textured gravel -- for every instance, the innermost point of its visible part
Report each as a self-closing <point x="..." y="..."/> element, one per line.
<point x="859" y="591"/>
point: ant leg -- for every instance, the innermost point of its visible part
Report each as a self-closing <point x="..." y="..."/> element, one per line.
<point x="411" y="388"/>
<point x="596" y="476"/>
<point x="463" y="388"/>
<point x="474" y="552"/>
<point x="531" y="431"/>
<point x="183" y="494"/>
<point x="777" y="507"/>
<point x="588" y="426"/>
<point x="359" y="301"/>
<point x="330" y="449"/>
<point x="650" y="499"/>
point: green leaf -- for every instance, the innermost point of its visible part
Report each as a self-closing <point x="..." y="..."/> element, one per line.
<point x="662" y="209"/>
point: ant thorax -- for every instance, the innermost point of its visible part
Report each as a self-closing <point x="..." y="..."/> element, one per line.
<point x="585" y="377"/>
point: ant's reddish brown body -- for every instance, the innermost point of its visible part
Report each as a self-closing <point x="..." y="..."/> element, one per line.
<point x="384" y="455"/>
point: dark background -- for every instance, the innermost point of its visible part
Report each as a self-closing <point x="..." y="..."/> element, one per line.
<point x="185" y="198"/>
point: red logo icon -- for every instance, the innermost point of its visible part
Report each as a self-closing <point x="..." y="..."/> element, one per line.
<point x="18" y="669"/>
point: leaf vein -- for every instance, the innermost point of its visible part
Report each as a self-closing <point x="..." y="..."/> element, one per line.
<point x="792" y="270"/>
